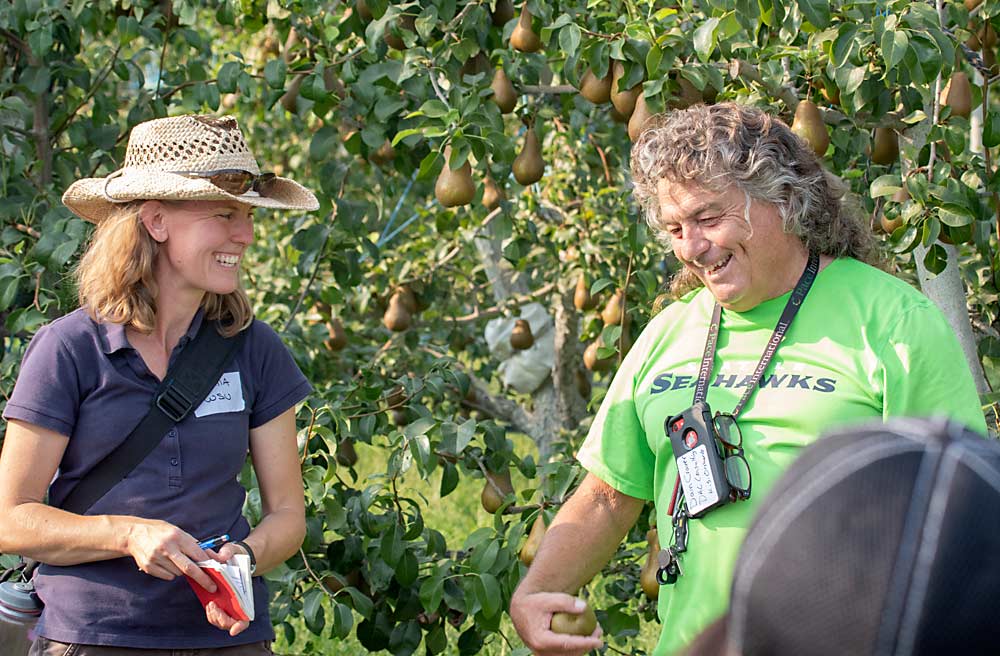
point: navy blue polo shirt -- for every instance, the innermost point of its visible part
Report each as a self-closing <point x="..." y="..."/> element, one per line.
<point x="84" y="380"/>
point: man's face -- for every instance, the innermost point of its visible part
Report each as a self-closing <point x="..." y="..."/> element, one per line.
<point x="740" y="253"/>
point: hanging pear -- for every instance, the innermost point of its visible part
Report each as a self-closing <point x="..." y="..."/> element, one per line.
<point x="397" y="317"/>
<point x="407" y="298"/>
<point x="592" y="362"/>
<point x="687" y="94"/>
<point x="808" y="124"/>
<point x="529" y="166"/>
<point x="534" y="540"/>
<point x="502" y="12"/>
<point x="624" y="101"/>
<point x="640" y="115"/>
<point x="957" y="95"/>
<point x="404" y="22"/>
<point x="454" y="187"/>
<point x="885" y="146"/>
<point x="647" y="577"/>
<point x="523" y="38"/>
<point x="596" y="90"/>
<point x="582" y="299"/>
<point x="583" y="624"/>
<point x="496" y="487"/>
<point x="364" y="12"/>
<point x="582" y="381"/>
<point x="346" y="455"/>
<point x="521" y="337"/>
<point x="504" y="94"/>
<point x="492" y="194"/>
<point x="338" y="338"/>
<point x="612" y="312"/>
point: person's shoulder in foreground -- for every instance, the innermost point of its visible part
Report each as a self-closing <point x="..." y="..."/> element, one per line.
<point x="869" y="544"/>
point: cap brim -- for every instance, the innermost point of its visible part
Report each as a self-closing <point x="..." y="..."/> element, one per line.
<point x="95" y="199"/>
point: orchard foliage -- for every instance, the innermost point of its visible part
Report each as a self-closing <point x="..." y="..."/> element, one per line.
<point x="361" y="101"/>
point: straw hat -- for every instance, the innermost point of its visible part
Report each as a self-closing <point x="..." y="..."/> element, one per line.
<point x="160" y="149"/>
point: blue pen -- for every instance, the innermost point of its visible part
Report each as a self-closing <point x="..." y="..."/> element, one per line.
<point x="212" y="543"/>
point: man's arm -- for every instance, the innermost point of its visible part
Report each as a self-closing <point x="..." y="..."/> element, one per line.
<point x="583" y="537"/>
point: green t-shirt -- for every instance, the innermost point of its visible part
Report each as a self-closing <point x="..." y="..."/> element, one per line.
<point x="863" y="345"/>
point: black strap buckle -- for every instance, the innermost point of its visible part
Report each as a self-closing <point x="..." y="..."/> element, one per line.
<point x="174" y="402"/>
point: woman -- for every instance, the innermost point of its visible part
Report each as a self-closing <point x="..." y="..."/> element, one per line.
<point x="172" y="227"/>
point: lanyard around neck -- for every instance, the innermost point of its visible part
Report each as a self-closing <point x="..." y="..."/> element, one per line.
<point x="791" y="309"/>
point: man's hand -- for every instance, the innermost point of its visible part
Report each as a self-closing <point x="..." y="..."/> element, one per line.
<point x="532" y="613"/>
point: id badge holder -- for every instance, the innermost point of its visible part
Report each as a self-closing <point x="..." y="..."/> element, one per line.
<point x="699" y="464"/>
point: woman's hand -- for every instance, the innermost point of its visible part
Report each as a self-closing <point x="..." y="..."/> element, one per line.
<point x="532" y="613"/>
<point x="162" y="550"/>
<point x="215" y="615"/>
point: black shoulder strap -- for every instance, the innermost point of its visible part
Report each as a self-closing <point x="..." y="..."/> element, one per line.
<point x="187" y="383"/>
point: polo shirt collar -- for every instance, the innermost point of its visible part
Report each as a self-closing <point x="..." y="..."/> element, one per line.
<point x="113" y="338"/>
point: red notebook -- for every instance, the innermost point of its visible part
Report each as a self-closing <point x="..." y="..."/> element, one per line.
<point x="234" y="593"/>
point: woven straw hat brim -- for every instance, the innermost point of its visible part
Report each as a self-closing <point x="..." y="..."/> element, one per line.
<point x="86" y="198"/>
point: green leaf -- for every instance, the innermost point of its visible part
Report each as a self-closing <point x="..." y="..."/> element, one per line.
<point x="433" y="108"/>
<point x="894" y="46"/>
<point x="600" y="285"/>
<point x="343" y="620"/>
<point x="704" y="38"/>
<point x="466" y="431"/>
<point x="8" y="292"/>
<point x="419" y="427"/>
<point x="816" y="12"/>
<point x="991" y="130"/>
<point x="228" y="75"/>
<point x="936" y="259"/>
<point x="407" y="569"/>
<point x="431" y="591"/>
<point x="569" y="39"/>
<point x="275" y="72"/>
<point x="449" y="479"/>
<point x="488" y="594"/>
<point x="885" y="185"/>
<point x="312" y="611"/>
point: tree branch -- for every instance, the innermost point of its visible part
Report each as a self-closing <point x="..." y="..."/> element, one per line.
<point x="501" y="307"/>
<point x="90" y="94"/>
<point x="538" y="90"/>
<point x="570" y="406"/>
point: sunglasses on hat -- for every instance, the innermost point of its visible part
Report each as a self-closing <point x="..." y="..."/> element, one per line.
<point x="235" y="181"/>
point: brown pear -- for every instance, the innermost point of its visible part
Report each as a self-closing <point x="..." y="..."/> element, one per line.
<point x="502" y="12"/>
<point x="957" y="95"/>
<point x="647" y="577"/>
<point x="404" y="22"/>
<point x="529" y="166"/>
<point x="346" y="455"/>
<point x="534" y="540"/>
<point x="888" y="225"/>
<point x="290" y="99"/>
<point x="612" y="312"/>
<point x="496" y="487"/>
<point x="521" y="337"/>
<point x="504" y="94"/>
<point x="640" y="115"/>
<point x="990" y="59"/>
<point x="475" y="65"/>
<point x="364" y="12"/>
<point x="383" y="154"/>
<point x="687" y="94"/>
<point x="624" y="101"/>
<point x="454" y="187"/>
<point x="396" y="318"/>
<point x="617" y="116"/>
<point x="338" y="338"/>
<point x="808" y="125"/>
<point x="492" y="194"/>
<point x="396" y="397"/>
<point x="583" y="624"/>
<point x="400" y="416"/>
<point x="582" y="299"/>
<point x="523" y="37"/>
<point x="591" y="361"/>
<point x="407" y="298"/>
<point x="885" y="146"/>
<point x="596" y="89"/>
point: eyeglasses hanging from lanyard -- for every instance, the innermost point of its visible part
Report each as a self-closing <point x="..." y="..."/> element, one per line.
<point x="706" y="478"/>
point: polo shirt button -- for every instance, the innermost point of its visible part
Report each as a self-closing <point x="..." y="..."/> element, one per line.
<point x="172" y="433"/>
<point x="173" y="461"/>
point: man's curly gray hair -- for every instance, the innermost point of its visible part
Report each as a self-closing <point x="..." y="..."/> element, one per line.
<point x="716" y="146"/>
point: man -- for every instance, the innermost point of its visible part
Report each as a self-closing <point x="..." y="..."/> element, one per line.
<point x="762" y="232"/>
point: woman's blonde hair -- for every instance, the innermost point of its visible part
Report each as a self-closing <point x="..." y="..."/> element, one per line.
<point x="117" y="285"/>
<point x="732" y="144"/>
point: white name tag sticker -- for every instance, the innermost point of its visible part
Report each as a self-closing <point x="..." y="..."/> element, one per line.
<point x="226" y="396"/>
<point x="696" y="477"/>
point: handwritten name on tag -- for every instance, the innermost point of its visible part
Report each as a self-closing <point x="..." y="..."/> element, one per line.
<point x="226" y="396"/>
<point x="696" y="477"/>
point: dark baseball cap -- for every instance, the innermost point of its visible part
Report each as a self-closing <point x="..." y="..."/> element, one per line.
<point x="883" y="539"/>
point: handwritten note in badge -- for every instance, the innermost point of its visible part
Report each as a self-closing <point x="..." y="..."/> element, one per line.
<point x="696" y="478"/>
<point x="226" y="396"/>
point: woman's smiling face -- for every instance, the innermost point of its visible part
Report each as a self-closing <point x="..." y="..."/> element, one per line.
<point x="736" y="246"/>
